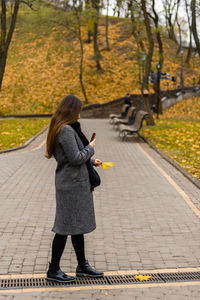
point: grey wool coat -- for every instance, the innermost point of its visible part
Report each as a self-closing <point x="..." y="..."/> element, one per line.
<point x="74" y="200"/>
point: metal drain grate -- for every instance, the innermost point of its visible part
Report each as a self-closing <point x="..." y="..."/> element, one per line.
<point x="24" y="283"/>
<point x="181" y="276"/>
<point x="42" y="282"/>
<point x="130" y="279"/>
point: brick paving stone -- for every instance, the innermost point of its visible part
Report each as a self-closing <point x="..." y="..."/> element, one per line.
<point x="142" y="221"/>
<point x="162" y="293"/>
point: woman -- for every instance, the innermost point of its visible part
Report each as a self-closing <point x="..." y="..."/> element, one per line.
<point x="74" y="201"/>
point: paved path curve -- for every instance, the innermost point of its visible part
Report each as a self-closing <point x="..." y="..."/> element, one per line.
<point x="142" y="221"/>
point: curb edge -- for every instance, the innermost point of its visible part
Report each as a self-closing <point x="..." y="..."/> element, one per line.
<point x="27" y="143"/>
<point x="194" y="180"/>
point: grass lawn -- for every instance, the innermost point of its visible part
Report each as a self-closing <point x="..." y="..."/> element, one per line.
<point x="15" y="132"/>
<point x="179" y="140"/>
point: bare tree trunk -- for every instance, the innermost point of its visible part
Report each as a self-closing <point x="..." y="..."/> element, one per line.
<point x="150" y="120"/>
<point x="180" y="39"/>
<point x="89" y="36"/>
<point x="95" y="5"/>
<point x="158" y="35"/>
<point x="81" y="62"/>
<point x="6" y="37"/>
<point x="169" y="7"/>
<point x="119" y="2"/>
<point x="77" y="13"/>
<point x="107" y="24"/>
<point x="179" y="28"/>
<point x="87" y="6"/>
<point x="135" y="32"/>
<point x="189" y="52"/>
<point x="171" y="32"/>
<point x="194" y="25"/>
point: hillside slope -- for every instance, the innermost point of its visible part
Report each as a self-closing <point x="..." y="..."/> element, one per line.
<point x="44" y="59"/>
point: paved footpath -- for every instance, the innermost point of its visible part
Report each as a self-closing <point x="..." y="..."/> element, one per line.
<point x="143" y="221"/>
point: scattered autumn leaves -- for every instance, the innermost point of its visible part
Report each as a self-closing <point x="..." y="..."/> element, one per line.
<point x="43" y="63"/>
<point x="15" y="132"/>
<point x="177" y="134"/>
<point x="185" y="110"/>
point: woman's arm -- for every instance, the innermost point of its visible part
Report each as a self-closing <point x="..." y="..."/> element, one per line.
<point x="69" y="144"/>
<point x="92" y="161"/>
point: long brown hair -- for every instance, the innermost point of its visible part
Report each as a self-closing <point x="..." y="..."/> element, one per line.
<point x="67" y="113"/>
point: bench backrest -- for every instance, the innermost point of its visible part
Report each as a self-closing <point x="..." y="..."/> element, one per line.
<point x="125" y="109"/>
<point x="140" y="115"/>
<point x="131" y="110"/>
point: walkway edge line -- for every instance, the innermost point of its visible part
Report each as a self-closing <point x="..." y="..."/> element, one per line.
<point x="194" y="180"/>
<point x="108" y="273"/>
<point x="189" y="202"/>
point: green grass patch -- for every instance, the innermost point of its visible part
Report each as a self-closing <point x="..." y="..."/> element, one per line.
<point x="15" y="132"/>
<point x="180" y="140"/>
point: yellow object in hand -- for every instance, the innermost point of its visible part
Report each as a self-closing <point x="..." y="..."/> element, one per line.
<point x="106" y="165"/>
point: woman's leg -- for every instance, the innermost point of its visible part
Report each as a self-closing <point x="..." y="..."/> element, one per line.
<point x="79" y="247"/>
<point x="83" y="268"/>
<point x="55" y="273"/>
<point x="58" y="247"/>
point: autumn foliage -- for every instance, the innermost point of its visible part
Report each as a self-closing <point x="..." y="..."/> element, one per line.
<point x="44" y="60"/>
<point x="177" y="134"/>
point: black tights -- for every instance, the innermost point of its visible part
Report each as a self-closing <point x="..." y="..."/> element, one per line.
<point x="58" y="246"/>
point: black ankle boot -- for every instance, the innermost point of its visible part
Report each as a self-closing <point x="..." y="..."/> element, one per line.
<point x="56" y="274"/>
<point x="84" y="269"/>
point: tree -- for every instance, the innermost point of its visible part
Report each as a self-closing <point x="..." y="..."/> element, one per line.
<point x="194" y="25"/>
<point x="177" y="18"/>
<point x="6" y="33"/>
<point x="7" y="27"/>
<point x="190" y="32"/>
<point x="148" y="61"/>
<point x="88" y="9"/>
<point x="135" y="14"/>
<point x="155" y="19"/>
<point x="107" y="25"/>
<point x="170" y="7"/>
<point x="96" y="6"/>
<point x="77" y="6"/>
<point x="118" y="7"/>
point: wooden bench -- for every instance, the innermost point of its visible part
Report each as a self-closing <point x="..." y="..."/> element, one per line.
<point x="128" y="120"/>
<point x="125" y="130"/>
<point x="120" y="116"/>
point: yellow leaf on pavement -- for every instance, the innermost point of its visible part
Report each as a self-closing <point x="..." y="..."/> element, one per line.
<point x="142" y="277"/>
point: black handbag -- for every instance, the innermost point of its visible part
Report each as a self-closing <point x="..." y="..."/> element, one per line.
<point x="95" y="179"/>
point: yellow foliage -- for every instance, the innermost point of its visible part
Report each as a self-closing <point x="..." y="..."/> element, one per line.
<point x="39" y="67"/>
<point x="188" y="109"/>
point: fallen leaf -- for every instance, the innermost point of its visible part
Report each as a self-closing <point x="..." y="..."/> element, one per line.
<point x="143" y="277"/>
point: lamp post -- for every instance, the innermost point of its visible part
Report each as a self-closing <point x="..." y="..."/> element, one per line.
<point x="139" y="67"/>
<point x="143" y="61"/>
<point x="181" y="72"/>
<point x="158" y="66"/>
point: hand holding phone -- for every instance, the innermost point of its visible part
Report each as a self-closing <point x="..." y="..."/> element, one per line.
<point x="92" y="141"/>
<point x="93" y="137"/>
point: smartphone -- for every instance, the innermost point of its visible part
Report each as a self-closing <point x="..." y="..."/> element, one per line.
<point x="93" y="136"/>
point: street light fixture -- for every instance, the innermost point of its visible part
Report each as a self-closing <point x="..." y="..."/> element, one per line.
<point x="158" y="66"/>
<point x="181" y="72"/>
<point x="143" y="57"/>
